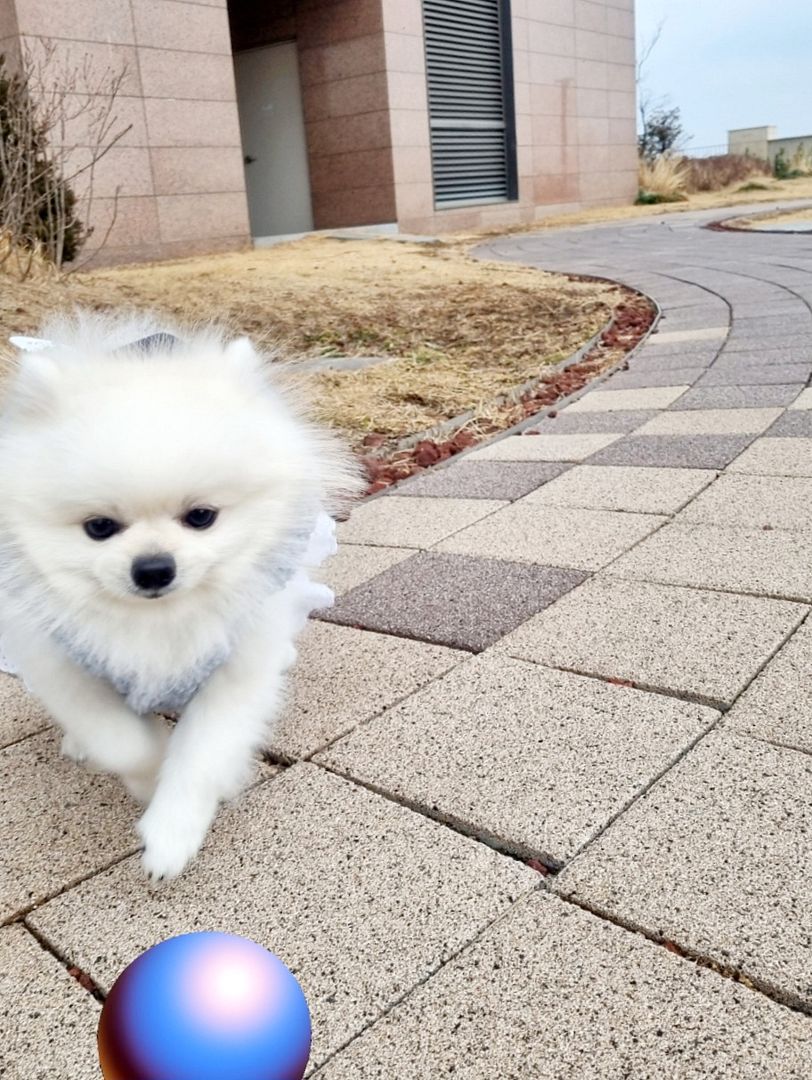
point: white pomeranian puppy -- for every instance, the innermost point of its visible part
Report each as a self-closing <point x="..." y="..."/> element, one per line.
<point x="160" y="501"/>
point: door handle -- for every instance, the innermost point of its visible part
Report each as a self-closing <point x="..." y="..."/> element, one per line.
<point x="248" y="160"/>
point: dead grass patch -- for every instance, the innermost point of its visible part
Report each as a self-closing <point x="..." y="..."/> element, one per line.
<point x="463" y="331"/>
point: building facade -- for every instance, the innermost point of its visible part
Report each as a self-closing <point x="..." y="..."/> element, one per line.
<point x="259" y="118"/>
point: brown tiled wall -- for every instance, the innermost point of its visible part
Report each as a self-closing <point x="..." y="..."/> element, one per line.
<point x="342" y="68"/>
<point x="575" y="112"/>
<point x="178" y="170"/>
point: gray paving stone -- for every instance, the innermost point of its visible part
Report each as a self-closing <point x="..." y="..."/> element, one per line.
<point x="620" y="421"/>
<point x="710" y="422"/>
<point x="544" y="447"/>
<point x="752" y="375"/>
<point x="345" y="676"/>
<point x="464" y="602"/>
<point x="674" y="451"/>
<point x="501" y="480"/>
<point x="47" y="1021"/>
<point x="610" y="400"/>
<point x="619" y="487"/>
<point x="754" y="502"/>
<point x="552" y="991"/>
<point x="793" y="424"/>
<point x="738" y="397"/>
<point x="654" y="360"/>
<point x="704" y="645"/>
<point x="568" y="536"/>
<point x="776" y="707"/>
<point x="411" y="523"/>
<point x="803" y="400"/>
<point x="58" y="823"/>
<point x="625" y="380"/>
<point x="716" y="857"/>
<point x="533" y="760"/>
<point x="321" y="872"/>
<point x="356" y="563"/>
<point x="777" y="457"/>
<point x="20" y="714"/>
<point x="775" y="563"/>
<point x="764" y="357"/>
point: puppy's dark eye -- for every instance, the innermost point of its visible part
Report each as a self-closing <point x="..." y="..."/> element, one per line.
<point x="201" y="517"/>
<point x="101" y="528"/>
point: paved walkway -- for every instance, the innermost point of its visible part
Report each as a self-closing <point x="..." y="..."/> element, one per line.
<point x="558" y="789"/>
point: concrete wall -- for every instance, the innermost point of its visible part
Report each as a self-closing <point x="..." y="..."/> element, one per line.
<point x="575" y="112"/>
<point x="753" y="141"/>
<point x="178" y="170"/>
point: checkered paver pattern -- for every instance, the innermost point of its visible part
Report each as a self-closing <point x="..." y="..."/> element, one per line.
<point x="585" y="647"/>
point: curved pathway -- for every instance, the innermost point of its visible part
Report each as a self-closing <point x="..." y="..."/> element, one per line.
<point x="545" y="803"/>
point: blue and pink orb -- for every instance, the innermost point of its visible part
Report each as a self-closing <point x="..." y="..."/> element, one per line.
<point x="205" y="1006"/>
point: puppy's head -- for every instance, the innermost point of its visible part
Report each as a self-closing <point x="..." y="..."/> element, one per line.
<point x="145" y="479"/>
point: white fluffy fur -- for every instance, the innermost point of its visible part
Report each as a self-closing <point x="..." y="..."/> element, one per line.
<point x="88" y="431"/>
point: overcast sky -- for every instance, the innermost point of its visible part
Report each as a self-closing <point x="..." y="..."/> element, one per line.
<point x="731" y="63"/>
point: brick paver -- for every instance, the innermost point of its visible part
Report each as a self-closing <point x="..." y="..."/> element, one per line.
<point x="636" y="578"/>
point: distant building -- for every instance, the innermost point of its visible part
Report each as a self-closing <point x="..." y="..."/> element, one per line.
<point x="763" y="142"/>
<point x="260" y="118"/>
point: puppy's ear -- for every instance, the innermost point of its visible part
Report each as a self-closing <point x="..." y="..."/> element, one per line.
<point x="35" y="388"/>
<point x="242" y="354"/>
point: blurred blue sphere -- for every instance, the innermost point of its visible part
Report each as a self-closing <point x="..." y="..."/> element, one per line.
<point x="205" y="1006"/>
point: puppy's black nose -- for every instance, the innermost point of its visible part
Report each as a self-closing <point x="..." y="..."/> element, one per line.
<point x="153" y="572"/>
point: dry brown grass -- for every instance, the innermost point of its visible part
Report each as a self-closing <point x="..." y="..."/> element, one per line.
<point x="722" y="172"/>
<point x="463" y="331"/>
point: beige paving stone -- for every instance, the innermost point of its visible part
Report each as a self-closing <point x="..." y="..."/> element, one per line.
<point x="657" y="397"/>
<point x="756" y="502"/>
<point x="58" y="822"/>
<point x="354" y="564"/>
<point x="710" y="422"/>
<point x="47" y="1021"/>
<point x="535" y="760"/>
<point x="777" y="707"/>
<point x="774" y="563"/>
<point x="776" y="457"/>
<point x="716" y="857"/>
<point x="703" y="645"/>
<point x="630" y="488"/>
<point x="400" y="522"/>
<point x="545" y="447"/>
<point x="345" y="676"/>
<point x="20" y="713"/>
<point x="568" y="536"/>
<point x="361" y="898"/>
<point x="550" y="991"/>
<point x="668" y="337"/>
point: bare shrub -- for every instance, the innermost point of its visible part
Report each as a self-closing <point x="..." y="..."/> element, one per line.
<point x="57" y="122"/>
<point x="721" y="171"/>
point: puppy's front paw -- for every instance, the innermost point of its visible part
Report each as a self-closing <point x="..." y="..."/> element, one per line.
<point x="171" y="840"/>
<point x="72" y="750"/>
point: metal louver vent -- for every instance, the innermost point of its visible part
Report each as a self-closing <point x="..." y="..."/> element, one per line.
<point x="468" y="64"/>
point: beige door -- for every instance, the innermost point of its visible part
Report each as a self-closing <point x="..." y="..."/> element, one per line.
<point x="273" y="140"/>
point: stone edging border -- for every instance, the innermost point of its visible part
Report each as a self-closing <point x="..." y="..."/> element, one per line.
<point x="455" y="423"/>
